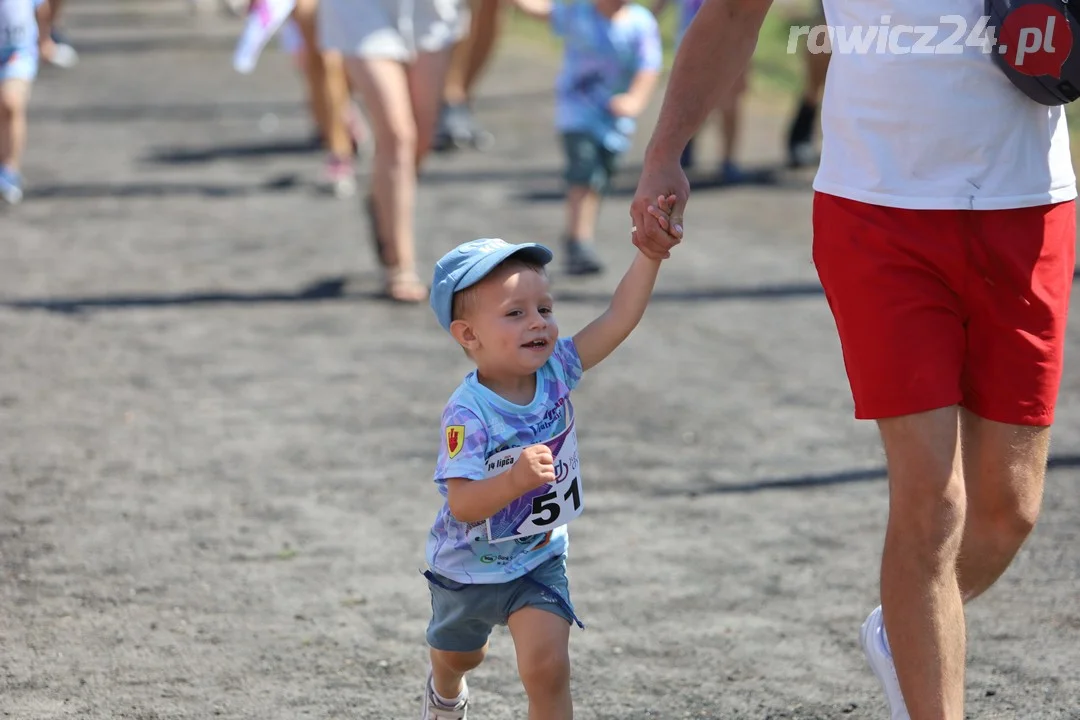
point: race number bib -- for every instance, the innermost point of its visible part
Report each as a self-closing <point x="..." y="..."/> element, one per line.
<point x="546" y="507"/>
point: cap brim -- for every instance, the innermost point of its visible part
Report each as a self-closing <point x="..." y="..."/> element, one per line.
<point x="530" y="252"/>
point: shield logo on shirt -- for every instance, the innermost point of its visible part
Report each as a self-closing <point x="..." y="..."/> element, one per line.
<point x="455" y="438"/>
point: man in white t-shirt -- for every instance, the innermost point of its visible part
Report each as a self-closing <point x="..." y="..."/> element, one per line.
<point x="944" y="237"/>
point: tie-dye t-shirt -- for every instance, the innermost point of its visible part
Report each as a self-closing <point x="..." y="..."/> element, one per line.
<point x="601" y="57"/>
<point x="18" y="25"/>
<point x="478" y="424"/>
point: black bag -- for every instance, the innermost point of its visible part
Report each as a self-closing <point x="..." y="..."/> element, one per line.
<point x="1028" y="56"/>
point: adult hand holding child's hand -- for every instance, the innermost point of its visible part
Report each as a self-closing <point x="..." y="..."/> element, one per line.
<point x="662" y="183"/>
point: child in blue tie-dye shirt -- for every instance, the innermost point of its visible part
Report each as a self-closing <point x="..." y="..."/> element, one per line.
<point x="612" y="58"/>
<point x="508" y="467"/>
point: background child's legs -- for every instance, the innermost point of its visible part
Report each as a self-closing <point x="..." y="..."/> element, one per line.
<point x="472" y="52"/>
<point x="457" y="127"/>
<point x="589" y="167"/>
<point x="582" y="208"/>
<point x="541" y="642"/>
<point x="327" y="87"/>
<point x="801" y="129"/>
<point x="730" y="111"/>
<point x="14" y="94"/>
<point x="51" y="45"/>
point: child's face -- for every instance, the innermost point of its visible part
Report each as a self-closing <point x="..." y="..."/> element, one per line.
<point x="511" y="327"/>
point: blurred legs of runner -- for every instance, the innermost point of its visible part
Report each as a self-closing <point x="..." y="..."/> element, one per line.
<point x="14" y="94"/>
<point x="457" y="127"/>
<point x="730" y="111"/>
<point x="402" y="103"/>
<point x="328" y="96"/>
<point x="52" y="45"/>
<point x="18" y="69"/>
<point x="801" y="130"/>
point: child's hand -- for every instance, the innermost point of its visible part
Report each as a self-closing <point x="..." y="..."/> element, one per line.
<point x="624" y="105"/>
<point x="534" y="467"/>
<point x="662" y="212"/>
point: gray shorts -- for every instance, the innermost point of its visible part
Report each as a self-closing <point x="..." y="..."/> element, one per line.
<point x="391" y="29"/>
<point x="588" y="162"/>
<point x="463" y="616"/>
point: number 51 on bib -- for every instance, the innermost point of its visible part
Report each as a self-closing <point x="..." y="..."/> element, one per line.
<point x="546" y="507"/>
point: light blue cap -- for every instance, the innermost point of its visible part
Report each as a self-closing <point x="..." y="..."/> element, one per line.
<point x="471" y="262"/>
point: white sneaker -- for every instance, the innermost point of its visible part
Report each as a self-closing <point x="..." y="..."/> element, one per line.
<point x="872" y="639"/>
<point x="10" y="187"/>
<point x="340" y="179"/>
<point x="63" y="55"/>
<point x="434" y="710"/>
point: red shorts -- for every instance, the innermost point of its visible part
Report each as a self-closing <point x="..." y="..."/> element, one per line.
<point x="949" y="307"/>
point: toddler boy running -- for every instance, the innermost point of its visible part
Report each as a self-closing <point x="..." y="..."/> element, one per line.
<point x="508" y="468"/>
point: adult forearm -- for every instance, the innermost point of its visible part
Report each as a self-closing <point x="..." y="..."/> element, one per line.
<point x="716" y="49"/>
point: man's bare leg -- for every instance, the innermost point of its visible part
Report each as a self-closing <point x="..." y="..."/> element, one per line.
<point x="920" y="594"/>
<point x="1004" y="470"/>
<point x="1001" y="470"/>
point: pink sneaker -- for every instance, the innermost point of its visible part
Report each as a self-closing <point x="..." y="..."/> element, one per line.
<point x="340" y="178"/>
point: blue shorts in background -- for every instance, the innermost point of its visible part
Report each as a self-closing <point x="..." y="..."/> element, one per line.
<point x="19" y="63"/>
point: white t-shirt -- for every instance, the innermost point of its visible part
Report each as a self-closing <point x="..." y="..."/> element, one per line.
<point x="934" y="131"/>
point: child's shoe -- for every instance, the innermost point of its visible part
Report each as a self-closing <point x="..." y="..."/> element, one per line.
<point x="731" y="173"/>
<point x="581" y="258"/>
<point x="63" y="53"/>
<point x="340" y="178"/>
<point x="434" y="710"/>
<point x="458" y="130"/>
<point x="452" y="132"/>
<point x="10" y="186"/>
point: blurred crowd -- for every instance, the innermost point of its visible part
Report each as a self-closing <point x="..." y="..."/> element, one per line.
<point x="399" y="77"/>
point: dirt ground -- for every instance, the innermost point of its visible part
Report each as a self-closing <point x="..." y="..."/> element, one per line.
<point x="217" y="445"/>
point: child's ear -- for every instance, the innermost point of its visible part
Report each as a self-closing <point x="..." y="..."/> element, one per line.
<point x="464" y="334"/>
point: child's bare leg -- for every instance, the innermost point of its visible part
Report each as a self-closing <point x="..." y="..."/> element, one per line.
<point x="472" y="52"/>
<point x="13" y="97"/>
<point x="729" y="130"/>
<point x="730" y="110"/>
<point x="327" y="84"/>
<point x="588" y="169"/>
<point x="448" y="670"/>
<point x="304" y="15"/>
<point x="582" y="208"/>
<point x="541" y="641"/>
<point x="340" y="138"/>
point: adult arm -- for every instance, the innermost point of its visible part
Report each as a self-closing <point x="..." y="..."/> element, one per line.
<point x="715" y="50"/>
